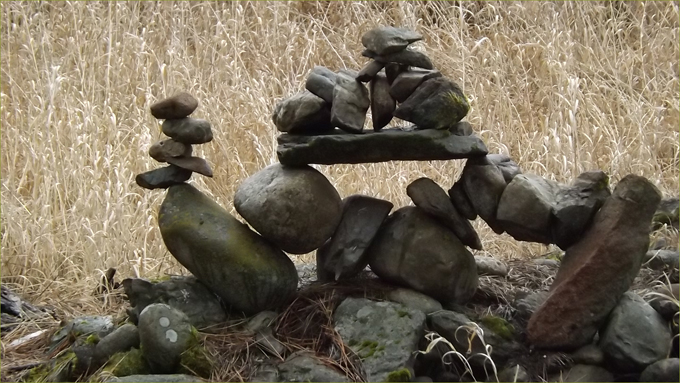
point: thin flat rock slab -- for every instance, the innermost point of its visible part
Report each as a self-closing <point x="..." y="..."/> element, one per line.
<point x="437" y="103"/>
<point x="162" y="178"/>
<point x="430" y="197"/>
<point x="405" y="57"/>
<point x="195" y="164"/>
<point x="338" y="147"/>
<point x="368" y="72"/>
<point x="387" y="39"/>
<point x="382" y="104"/>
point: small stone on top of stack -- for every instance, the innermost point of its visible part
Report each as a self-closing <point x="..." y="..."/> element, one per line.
<point x="183" y="131"/>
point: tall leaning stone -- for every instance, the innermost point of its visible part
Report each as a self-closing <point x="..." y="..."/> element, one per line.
<point x="597" y="271"/>
<point x="245" y="270"/>
<point x="297" y="209"/>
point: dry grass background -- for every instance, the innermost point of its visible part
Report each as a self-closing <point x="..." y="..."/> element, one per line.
<point x="561" y="87"/>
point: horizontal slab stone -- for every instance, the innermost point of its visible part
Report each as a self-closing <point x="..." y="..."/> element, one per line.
<point x="338" y="147"/>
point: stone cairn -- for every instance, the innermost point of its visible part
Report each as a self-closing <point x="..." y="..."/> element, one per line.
<point x="423" y="248"/>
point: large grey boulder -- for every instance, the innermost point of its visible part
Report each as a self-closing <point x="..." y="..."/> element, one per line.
<point x="596" y="271"/>
<point x="382" y="334"/>
<point x="430" y="197"/>
<point x="242" y="268"/>
<point x="576" y="205"/>
<point x="302" y="113"/>
<point x="321" y="82"/>
<point x="525" y="208"/>
<point x="297" y="209"/>
<point x="350" y="104"/>
<point x="387" y="39"/>
<point x="438" y="103"/>
<point x="186" y="294"/>
<point x="338" y="147"/>
<point x="304" y="367"/>
<point x="164" y="334"/>
<point x="635" y="335"/>
<point x="412" y="249"/>
<point x="484" y="184"/>
<point x="344" y="255"/>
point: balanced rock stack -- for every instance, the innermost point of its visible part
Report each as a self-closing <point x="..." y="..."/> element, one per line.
<point x="183" y="131"/>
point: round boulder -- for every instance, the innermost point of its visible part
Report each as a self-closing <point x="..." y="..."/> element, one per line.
<point x="296" y="208"/>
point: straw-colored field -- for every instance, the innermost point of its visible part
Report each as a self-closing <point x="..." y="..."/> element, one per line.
<point x="560" y="87"/>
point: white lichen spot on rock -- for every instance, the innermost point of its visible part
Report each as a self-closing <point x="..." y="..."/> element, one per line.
<point x="171" y="335"/>
<point x="164" y="322"/>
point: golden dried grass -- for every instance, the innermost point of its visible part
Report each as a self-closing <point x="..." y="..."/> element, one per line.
<point x="560" y="87"/>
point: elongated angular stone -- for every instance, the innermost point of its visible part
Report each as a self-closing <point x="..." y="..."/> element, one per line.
<point x="338" y="147"/>
<point x="389" y="39"/>
<point x="382" y="104"/>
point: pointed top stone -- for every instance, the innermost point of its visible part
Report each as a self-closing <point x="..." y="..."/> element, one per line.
<point x="384" y="40"/>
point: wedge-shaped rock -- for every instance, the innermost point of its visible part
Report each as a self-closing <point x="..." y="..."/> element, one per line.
<point x="430" y="197"/>
<point x="195" y="164"/>
<point x="483" y="183"/>
<point x="405" y="57"/>
<point x="302" y="113"/>
<point x="162" y="150"/>
<point x="242" y="268"/>
<point x="297" y="209"/>
<point x="321" y="82"/>
<point x="461" y="201"/>
<point x="437" y="103"/>
<point x="598" y="270"/>
<point x="388" y="39"/>
<point x="338" y="147"/>
<point x="382" y="104"/>
<point x="414" y="250"/>
<point x="368" y="72"/>
<point x="407" y="82"/>
<point x="188" y="130"/>
<point x="350" y="104"/>
<point x="344" y="255"/>
<point x="507" y="166"/>
<point x="162" y="178"/>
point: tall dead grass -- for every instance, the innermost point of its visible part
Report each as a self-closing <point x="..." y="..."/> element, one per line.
<point x="560" y="87"/>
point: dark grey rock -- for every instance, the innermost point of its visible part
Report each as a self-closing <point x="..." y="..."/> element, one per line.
<point x="430" y="197"/>
<point x="584" y="373"/>
<point x="246" y="271"/>
<point x="303" y="113"/>
<point x="321" y="82"/>
<point x="369" y="71"/>
<point x="188" y="130"/>
<point x="194" y="164"/>
<point x="463" y="128"/>
<point x="596" y="271"/>
<point x="514" y="373"/>
<point x="588" y="354"/>
<point x="382" y="104"/>
<point x="664" y="299"/>
<point x="635" y="335"/>
<point x="667" y="213"/>
<point x="344" y="255"/>
<point x="662" y="259"/>
<point x="266" y="373"/>
<point x="405" y="57"/>
<point x="665" y="370"/>
<point x="177" y="106"/>
<point x="121" y="339"/>
<point x="490" y="266"/>
<point x="162" y="178"/>
<point x="387" y="39"/>
<point x="575" y="207"/>
<point x="484" y="184"/>
<point x="414" y="250"/>
<point x="350" y="104"/>
<point x="507" y="166"/>
<point x="414" y="300"/>
<point x="186" y="294"/>
<point x="438" y="103"/>
<point x="303" y="366"/>
<point x="160" y="378"/>
<point x="99" y="325"/>
<point x="164" y="334"/>
<point x="261" y="321"/>
<point x="461" y="201"/>
<point x="162" y="150"/>
<point x="268" y="343"/>
<point x="406" y="82"/>
<point x="527" y="303"/>
<point x="297" y="209"/>
<point x="392" y="70"/>
<point x="338" y="147"/>
<point x="382" y="334"/>
<point x="525" y="208"/>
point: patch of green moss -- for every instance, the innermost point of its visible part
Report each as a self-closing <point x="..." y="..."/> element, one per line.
<point x="58" y="371"/>
<point x="37" y="374"/>
<point x="664" y="218"/>
<point x="401" y="375"/>
<point x="160" y="279"/>
<point x="195" y="360"/>
<point x="368" y="348"/>
<point x="127" y="363"/>
<point x="555" y="255"/>
<point x="92" y="339"/>
<point x="403" y="313"/>
<point x="499" y="326"/>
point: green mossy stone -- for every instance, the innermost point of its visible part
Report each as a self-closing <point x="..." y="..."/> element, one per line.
<point x="127" y="363"/>
<point x="245" y="270"/>
<point x="401" y="375"/>
<point x="499" y="326"/>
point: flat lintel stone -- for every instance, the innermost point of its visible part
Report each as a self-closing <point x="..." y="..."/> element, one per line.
<point x="338" y="147"/>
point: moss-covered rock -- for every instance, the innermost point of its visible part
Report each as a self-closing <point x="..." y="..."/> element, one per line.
<point x="499" y="326"/>
<point x="401" y="375"/>
<point x="127" y="363"/>
<point x="60" y="369"/>
<point x="196" y="360"/>
<point x="245" y="270"/>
